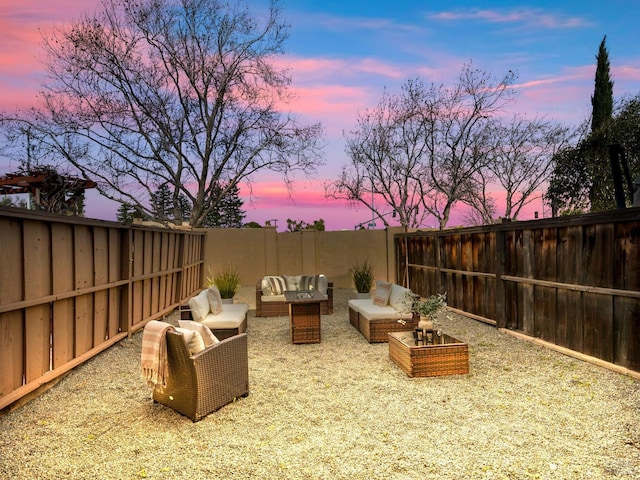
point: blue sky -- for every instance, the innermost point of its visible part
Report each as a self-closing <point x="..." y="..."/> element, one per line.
<point x="342" y="55"/>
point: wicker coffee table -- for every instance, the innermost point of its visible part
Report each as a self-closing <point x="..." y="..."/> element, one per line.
<point x="445" y="356"/>
<point x="304" y="315"/>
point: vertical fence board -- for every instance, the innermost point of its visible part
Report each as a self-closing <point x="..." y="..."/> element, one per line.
<point x="114" y="275"/>
<point x="83" y="262"/>
<point x="101" y="277"/>
<point x="37" y="267"/>
<point x="11" y="290"/>
<point x="546" y="296"/>
<point x="63" y="282"/>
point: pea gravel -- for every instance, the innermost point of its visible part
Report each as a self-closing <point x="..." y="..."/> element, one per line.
<point x="339" y="410"/>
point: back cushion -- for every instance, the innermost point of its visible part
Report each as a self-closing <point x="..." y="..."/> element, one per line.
<point x="199" y="306"/>
<point x="292" y="282"/>
<point x="192" y="339"/>
<point x="383" y="291"/>
<point x="207" y="335"/>
<point x="400" y="298"/>
<point x="318" y="282"/>
<point x="215" y="300"/>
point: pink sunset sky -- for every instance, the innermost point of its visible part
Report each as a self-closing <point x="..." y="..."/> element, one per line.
<point x="342" y="55"/>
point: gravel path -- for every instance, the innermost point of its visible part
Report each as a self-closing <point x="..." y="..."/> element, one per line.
<point x="339" y="410"/>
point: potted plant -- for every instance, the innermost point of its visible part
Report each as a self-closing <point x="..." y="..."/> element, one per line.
<point x="227" y="280"/>
<point x="428" y="308"/>
<point x="362" y="274"/>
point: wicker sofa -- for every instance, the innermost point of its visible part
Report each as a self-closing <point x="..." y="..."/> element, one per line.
<point x="270" y="301"/>
<point x="231" y="320"/>
<point x="388" y="311"/>
<point x="206" y="381"/>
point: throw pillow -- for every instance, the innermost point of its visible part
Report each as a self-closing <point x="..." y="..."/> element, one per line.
<point x="192" y="339"/>
<point x="383" y="291"/>
<point x="207" y="335"/>
<point x="215" y="300"/>
<point x="199" y="306"/>
<point x="277" y="285"/>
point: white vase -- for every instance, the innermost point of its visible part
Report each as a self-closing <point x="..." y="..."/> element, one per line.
<point x="426" y="325"/>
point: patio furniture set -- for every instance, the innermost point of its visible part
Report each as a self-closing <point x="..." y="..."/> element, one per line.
<point x="207" y="354"/>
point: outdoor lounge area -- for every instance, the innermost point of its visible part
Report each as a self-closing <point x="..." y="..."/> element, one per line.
<point x="339" y="409"/>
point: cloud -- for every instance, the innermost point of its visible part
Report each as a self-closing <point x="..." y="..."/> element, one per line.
<point x="530" y="18"/>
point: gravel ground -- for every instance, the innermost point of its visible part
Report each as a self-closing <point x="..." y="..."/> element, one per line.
<point x="339" y="409"/>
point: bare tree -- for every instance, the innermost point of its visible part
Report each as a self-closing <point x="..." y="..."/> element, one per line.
<point x="421" y="151"/>
<point x="178" y="92"/>
<point x="386" y="152"/>
<point x="459" y="139"/>
<point x="521" y="160"/>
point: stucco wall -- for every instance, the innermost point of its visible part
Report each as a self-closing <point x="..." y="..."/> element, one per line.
<point x="263" y="251"/>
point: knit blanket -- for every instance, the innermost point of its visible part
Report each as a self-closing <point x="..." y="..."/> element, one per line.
<point x="153" y="360"/>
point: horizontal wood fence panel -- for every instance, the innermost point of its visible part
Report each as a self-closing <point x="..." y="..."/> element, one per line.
<point x="71" y="287"/>
<point x="573" y="281"/>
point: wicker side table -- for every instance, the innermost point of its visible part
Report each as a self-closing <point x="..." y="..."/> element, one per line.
<point x="446" y="356"/>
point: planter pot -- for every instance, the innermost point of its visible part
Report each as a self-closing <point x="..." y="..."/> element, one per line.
<point x="363" y="295"/>
<point x="227" y="301"/>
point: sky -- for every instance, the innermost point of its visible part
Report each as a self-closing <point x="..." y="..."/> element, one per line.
<point x="342" y="56"/>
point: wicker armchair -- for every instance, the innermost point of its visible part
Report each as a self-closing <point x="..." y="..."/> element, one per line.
<point x="205" y="382"/>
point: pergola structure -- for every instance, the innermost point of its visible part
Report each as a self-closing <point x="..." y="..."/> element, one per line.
<point x="49" y="190"/>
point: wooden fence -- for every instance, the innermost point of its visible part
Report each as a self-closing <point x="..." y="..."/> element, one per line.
<point x="571" y="281"/>
<point x="72" y="287"/>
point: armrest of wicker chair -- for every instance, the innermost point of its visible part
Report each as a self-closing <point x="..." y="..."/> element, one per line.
<point x="205" y="382"/>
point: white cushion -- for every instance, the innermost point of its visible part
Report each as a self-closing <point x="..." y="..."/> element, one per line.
<point x="292" y="282"/>
<point x="199" y="306"/>
<point x="273" y="298"/>
<point x="400" y="298"/>
<point x="382" y="293"/>
<point x="318" y="282"/>
<point x="207" y="335"/>
<point x="231" y="316"/>
<point x="215" y="300"/>
<point x="192" y="339"/>
<point x="376" y="312"/>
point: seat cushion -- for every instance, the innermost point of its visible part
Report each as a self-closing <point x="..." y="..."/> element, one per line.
<point x="376" y="312"/>
<point x="231" y="316"/>
<point x="273" y="298"/>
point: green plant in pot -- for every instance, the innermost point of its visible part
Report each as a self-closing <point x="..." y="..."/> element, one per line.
<point x="362" y="274"/>
<point x="428" y="308"/>
<point x="227" y="280"/>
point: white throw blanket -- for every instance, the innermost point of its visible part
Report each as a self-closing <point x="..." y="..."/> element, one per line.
<point x="153" y="360"/>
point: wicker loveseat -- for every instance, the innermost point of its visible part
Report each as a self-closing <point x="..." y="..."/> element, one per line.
<point x="388" y="311"/>
<point x="231" y="319"/>
<point x="270" y="301"/>
<point x="206" y="381"/>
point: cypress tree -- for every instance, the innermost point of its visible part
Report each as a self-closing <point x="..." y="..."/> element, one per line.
<point x="601" y="192"/>
<point x="602" y="99"/>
